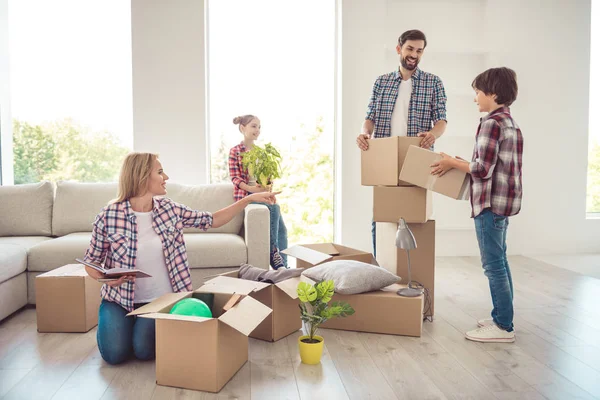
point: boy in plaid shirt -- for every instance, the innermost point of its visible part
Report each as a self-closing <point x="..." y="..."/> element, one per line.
<point x="496" y="192"/>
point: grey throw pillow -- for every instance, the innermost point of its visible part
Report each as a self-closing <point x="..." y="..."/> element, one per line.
<point x="352" y="277"/>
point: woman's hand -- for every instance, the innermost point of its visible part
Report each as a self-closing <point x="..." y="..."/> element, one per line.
<point x="121" y="280"/>
<point x="265" y="197"/>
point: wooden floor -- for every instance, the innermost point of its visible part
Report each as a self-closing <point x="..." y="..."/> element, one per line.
<point x="556" y="355"/>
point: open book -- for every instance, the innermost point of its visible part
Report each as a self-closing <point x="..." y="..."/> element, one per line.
<point x="114" y="273"/>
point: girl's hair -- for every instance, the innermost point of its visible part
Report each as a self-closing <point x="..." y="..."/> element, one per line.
<point x="135" y="171"/>
<point x="243" y="120"/>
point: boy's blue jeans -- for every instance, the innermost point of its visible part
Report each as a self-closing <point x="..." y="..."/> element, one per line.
<point x="491" y="234"/>
<point x="119" y="336"/>
<point x="278" y="236"/>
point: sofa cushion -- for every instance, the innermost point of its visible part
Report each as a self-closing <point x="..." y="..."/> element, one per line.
<point x="207" y="198"/>
<point x="58" y="252"/>
<point x="26" y="209"/>
<point x="352" y="277"/>
<point x="26" y="242"/>
<point x="209" y="250"/>
<point x="13" y="261"/>
<point x="77" y="204"/>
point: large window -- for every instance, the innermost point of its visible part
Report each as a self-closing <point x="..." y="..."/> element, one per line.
<point x="70" y="84"/>
<point x="275" y="59"/>
<point x="593" y="180"/>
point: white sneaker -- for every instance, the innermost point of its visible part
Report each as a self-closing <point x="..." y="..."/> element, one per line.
<point x="491" y="334"/>
<point x="485" y="322"/>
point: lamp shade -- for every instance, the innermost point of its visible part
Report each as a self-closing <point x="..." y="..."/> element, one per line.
<point x="404" y="236"/>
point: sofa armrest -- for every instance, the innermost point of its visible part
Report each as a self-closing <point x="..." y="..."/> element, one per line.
<point x="257" y="234"/>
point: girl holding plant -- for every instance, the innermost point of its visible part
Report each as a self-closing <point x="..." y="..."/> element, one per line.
<point x="252" y="170"/>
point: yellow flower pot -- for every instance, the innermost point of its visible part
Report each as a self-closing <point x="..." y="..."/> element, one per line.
<point x="310" y="353"/>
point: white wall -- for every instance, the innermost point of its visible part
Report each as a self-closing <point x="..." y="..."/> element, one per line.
<point x="169" y="105"/>
<point x="5" y="119"/>
<point x="547" y="43"/>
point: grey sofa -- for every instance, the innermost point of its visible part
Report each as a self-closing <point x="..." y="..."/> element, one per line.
<point x="44" y="226"/>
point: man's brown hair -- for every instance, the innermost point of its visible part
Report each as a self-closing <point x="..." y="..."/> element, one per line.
<point x="413" y="34"/>
<point x="499" y="81"/>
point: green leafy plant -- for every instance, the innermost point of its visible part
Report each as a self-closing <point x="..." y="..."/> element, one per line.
<point x="264" y="163"/>
<point x="314" y="307"/>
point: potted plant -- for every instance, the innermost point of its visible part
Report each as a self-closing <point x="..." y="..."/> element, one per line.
<point x="315" y="310"/>
<point x="263" y="163"/>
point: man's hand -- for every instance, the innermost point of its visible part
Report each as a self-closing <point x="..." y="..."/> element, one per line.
<point x="428" y="139"/>
<point x="442" y="166"/>
<point x="361" y="141"/>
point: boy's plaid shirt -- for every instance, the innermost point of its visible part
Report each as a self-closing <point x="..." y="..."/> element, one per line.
<point x="427" y="103"/>
<point x="114" y="243"/>
<point x="496" y="180"/>
<point x="237" y="172"/>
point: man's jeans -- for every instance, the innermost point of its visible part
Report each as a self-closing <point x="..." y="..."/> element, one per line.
<point x="119" y="336"/>
<point x="278" y="236"/>
<point x="374" y="233"/>
<point x="491" y="235"/>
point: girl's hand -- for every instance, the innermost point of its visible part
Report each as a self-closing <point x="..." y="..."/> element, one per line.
<point x="265" y="197"/>
<point x="121" y="280"/>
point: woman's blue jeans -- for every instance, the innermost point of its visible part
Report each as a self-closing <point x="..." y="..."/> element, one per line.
<point x="278" y="236"/>
<point x="491" y="234"/>
<point x="120" y="336"/>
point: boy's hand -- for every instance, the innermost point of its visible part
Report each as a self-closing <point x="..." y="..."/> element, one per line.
<point x="428" y="139"/>
<point x="442" y="166"/>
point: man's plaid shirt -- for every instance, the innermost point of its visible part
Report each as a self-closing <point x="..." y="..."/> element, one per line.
<point x="496" y="181"/>
<point x="114" y="243"/>
<point x="427" y="103"/>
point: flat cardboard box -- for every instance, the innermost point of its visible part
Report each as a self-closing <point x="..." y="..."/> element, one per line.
<point x="309" y="255"/>
<point x="281" y="297"/>
<point x="381" y="311"/>
<point x="422" y="258"/>
<point x="203" y="353"/>
<point x="417" y="170"/>
<point x="67" y="300"/>
<point x="412" y="203"/>
<point x="382" y="162"/>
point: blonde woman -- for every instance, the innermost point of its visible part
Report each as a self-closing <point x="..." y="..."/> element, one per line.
<point x="143" y="231"/>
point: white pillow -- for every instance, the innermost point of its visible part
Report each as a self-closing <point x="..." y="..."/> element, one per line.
<point x="352" y="277"/>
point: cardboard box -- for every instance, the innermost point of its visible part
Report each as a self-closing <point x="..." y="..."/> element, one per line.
<point x="309" y="255"/>
<point x="203" y="353"/>
<point x="381" y="311"/>
<point x="412" y="203"/>
<point x="281" y="297"/>
<point x="67" y="300"/>
<point x="417" y="170"/>
<point x="382" y="162"/>
<point x="422" y="258"/>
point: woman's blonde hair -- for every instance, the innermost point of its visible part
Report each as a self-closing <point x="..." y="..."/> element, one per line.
<point x="135" y="171"/>
<point x="243" y="120"/>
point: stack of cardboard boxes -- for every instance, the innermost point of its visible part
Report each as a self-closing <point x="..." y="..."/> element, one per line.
<point x="399" y="171"/>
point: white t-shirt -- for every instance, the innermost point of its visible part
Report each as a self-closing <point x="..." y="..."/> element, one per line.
<point x="150" y="259"/>
<point x="399" y="123"/>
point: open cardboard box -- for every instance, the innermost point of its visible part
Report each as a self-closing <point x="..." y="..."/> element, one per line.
<point x="281" y="297"/>
<point x="203" y="353"/>
<point x="67" y="300"/>
<point x="417" y="170"/>
<point x="382" y="162"/>
<point x="309" y="255"/>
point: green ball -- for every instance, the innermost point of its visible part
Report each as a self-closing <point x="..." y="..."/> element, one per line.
<point x="191" y="307"/>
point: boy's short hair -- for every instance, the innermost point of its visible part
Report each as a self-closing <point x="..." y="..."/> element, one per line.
<point x="413" y="34"/>
<point x="499" y="81"/>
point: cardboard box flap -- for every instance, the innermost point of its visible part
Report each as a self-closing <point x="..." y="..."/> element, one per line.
<point x="67" y="270"/>
<point x="305" y="254"/>
<point x="161" y="303"/>
<point x="175" y="317"/>
<point x="229" y="285"/>
<point x="289" y="286"/>
<point x="246" y="315"/>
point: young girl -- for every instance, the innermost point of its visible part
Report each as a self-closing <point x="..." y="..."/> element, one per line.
<point x="136" y="231"/>
<point x="244" y="184"/>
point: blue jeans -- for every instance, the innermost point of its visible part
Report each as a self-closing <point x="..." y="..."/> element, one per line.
<point x="374" y="233"/>
<point x="278" y="231"/>
<point x="491" y="235"/>
<point x="119" y="336"/>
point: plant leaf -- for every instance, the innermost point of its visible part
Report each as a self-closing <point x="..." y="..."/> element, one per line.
<point x="325" y="290"/>
<point x="306" y="292"/>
